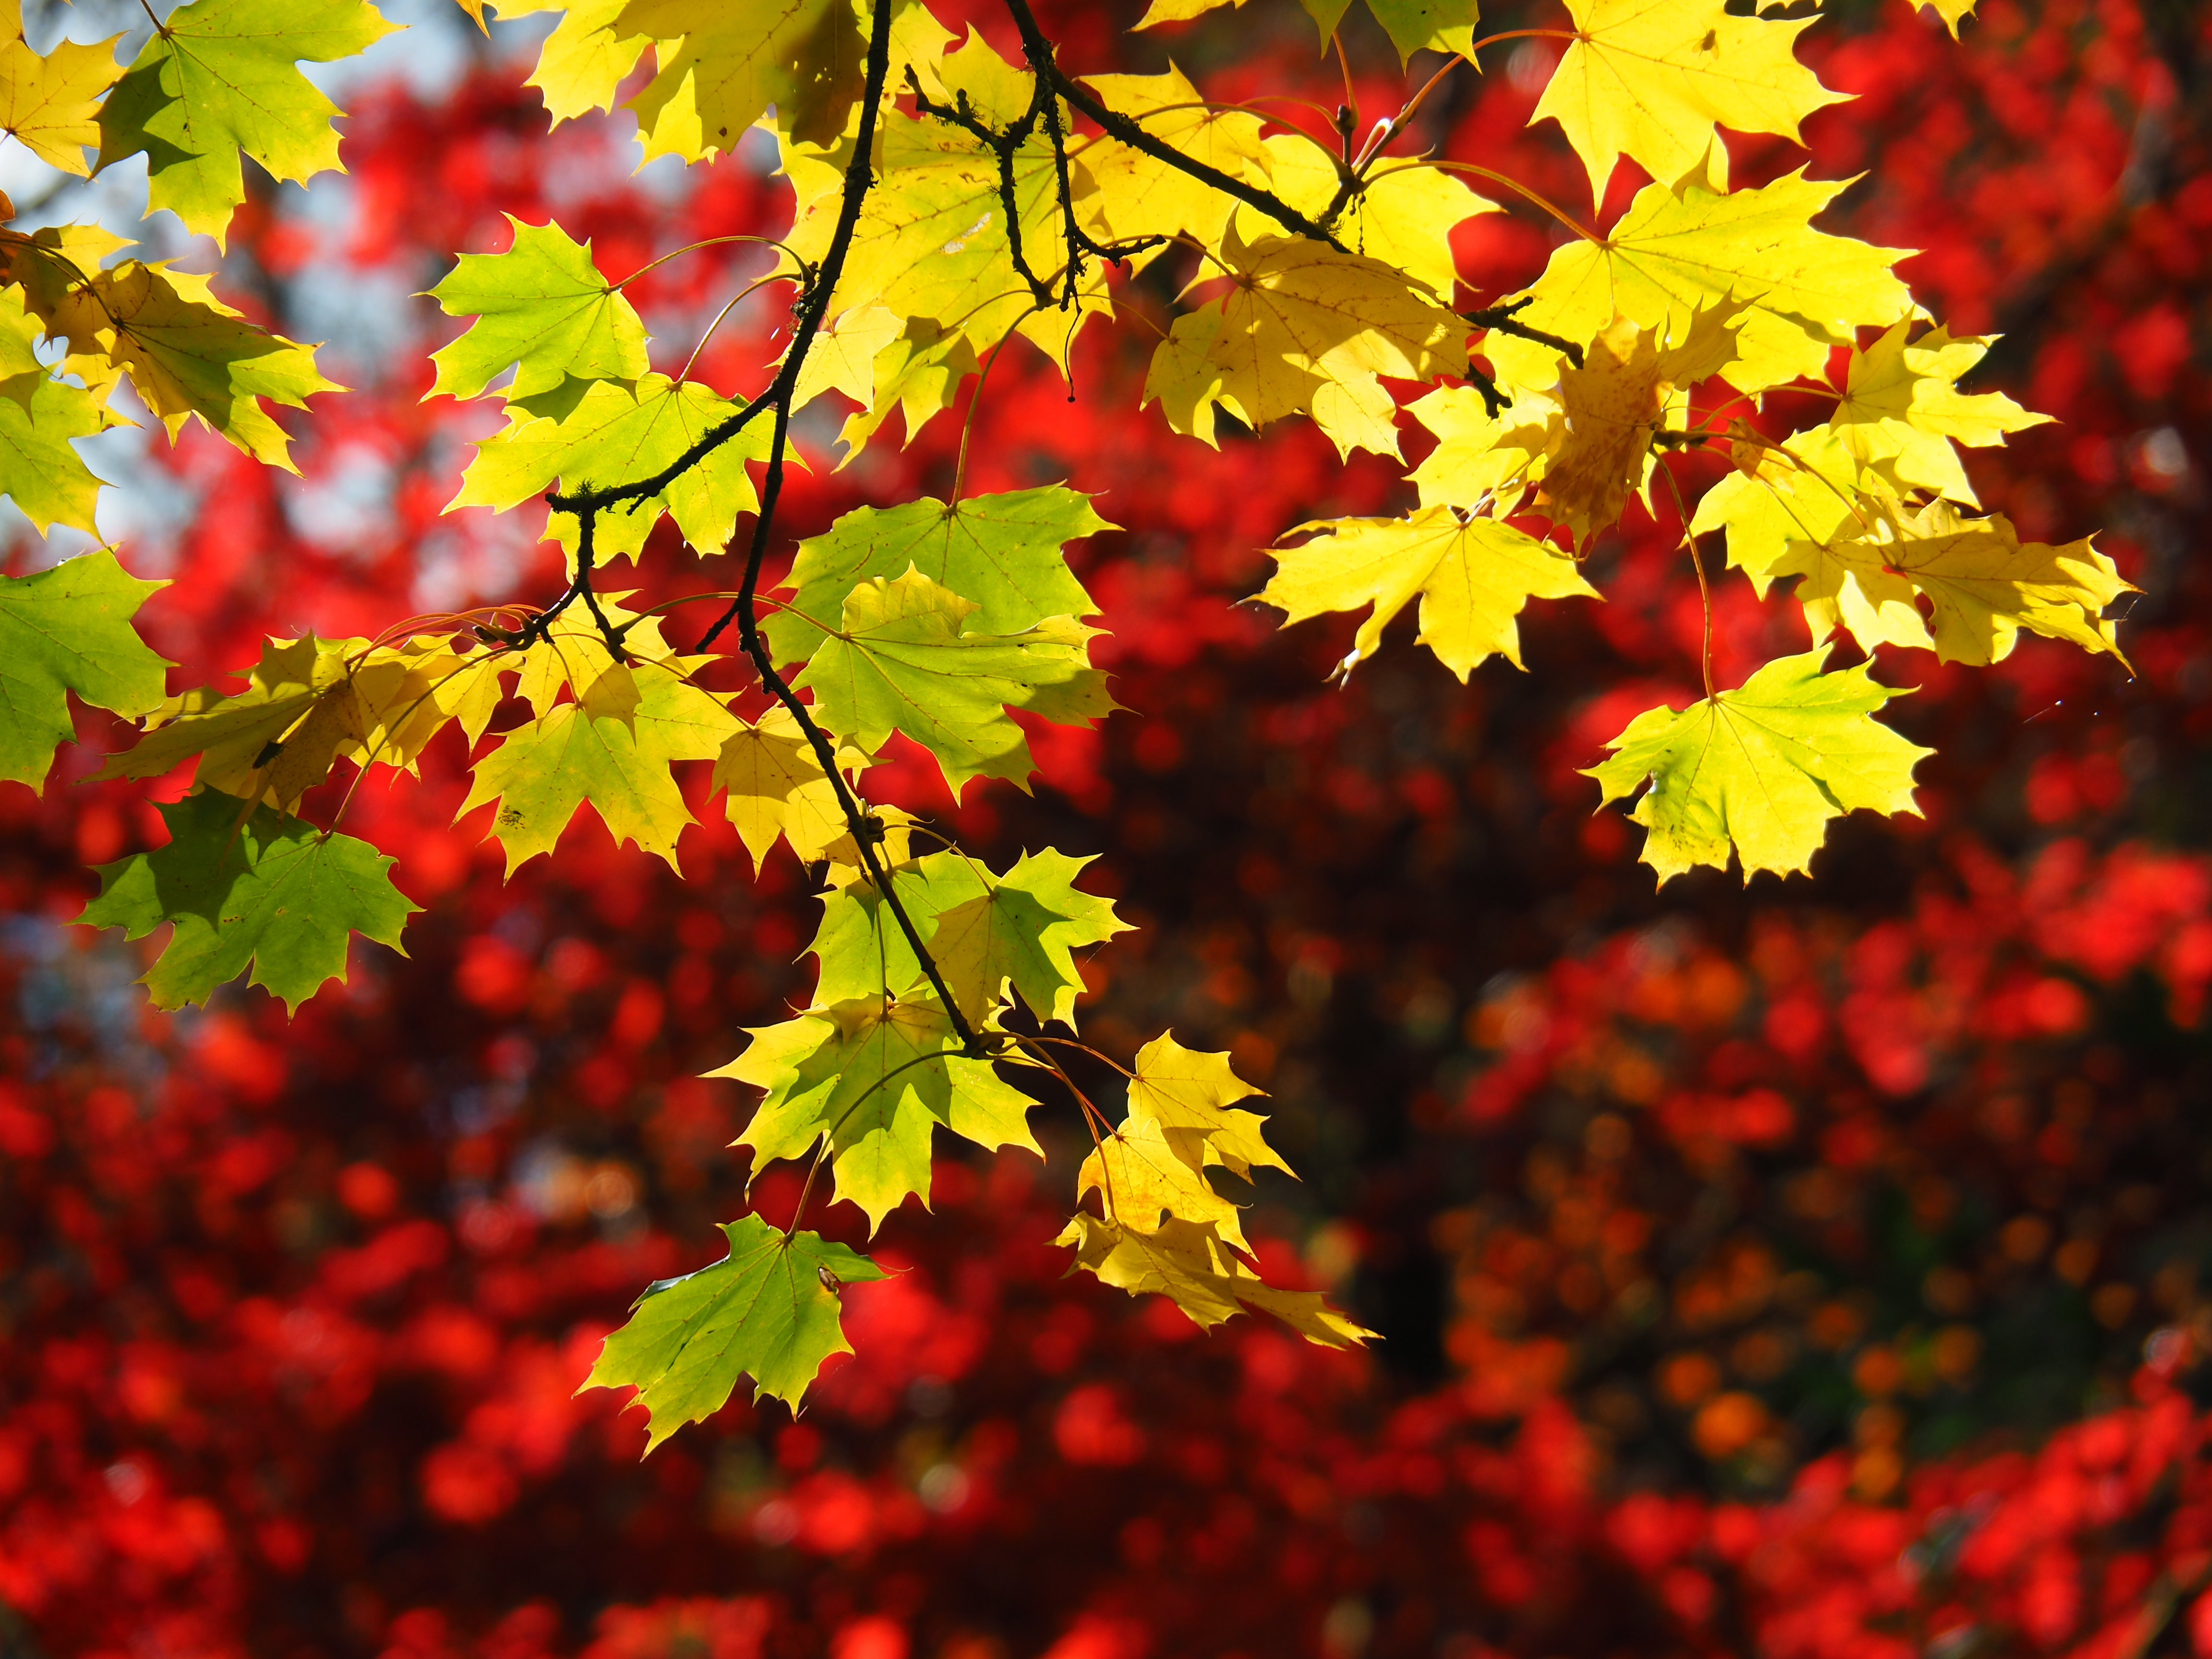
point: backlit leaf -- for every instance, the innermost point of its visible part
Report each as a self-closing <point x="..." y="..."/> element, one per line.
<point x="1651" y="79"/>
<point x="763" y="1311"/>
<point x="1472" y="576"/>
<point x="1191" y="1266"/>
<point x="877" y="1077"/>
<point x="69" y="629"/>
<point x="248" y="887"/>
<point x="51" y="104"/>
<point x="1762" y="767"/>
<point x="903" y="660"/>
<point x="541" y="308"/>
<point x="221" y="76"/>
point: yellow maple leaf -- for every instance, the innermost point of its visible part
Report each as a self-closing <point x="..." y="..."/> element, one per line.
<point x="1951" y="11"/>
<point x="1902" y="409"/>
<point x="1671" y="253"/>
<point x="1402" y="213"/>
<point x="1472" y="576"/>
<point x="777" y="787"/>
<point x="1982" y="583"/>
<point x="1193" y="1266"/>
<point x="51" y="104"/>
<point x="1652" y="79"/>
<point x="1302" y="329"/>
<point x="1125" y="194"/>
<point x="1479" y="455"/>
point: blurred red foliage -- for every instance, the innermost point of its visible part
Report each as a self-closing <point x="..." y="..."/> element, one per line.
<point x="1813" y="1270"/>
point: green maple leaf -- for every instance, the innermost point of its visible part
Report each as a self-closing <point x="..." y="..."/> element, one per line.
<point x="220" y="76"/>
<point x="903" y="661"/>
<point x="272" y="891"/>
<point x="983" y="931"/>
<point x="877" y="1077"/>
<point x="611" y="747"/>
<point x="1763" y="768"/>
<point x="613" y="434"/>
<point x="1023" y="931"/>
<point x="1412" y="25"/>
<point x="39" y="468"/>
<point x="763" y="1311"/>
<point x="62" y="630"/>
<point x="541" y="307"/>
<point x="1003" y="552"/>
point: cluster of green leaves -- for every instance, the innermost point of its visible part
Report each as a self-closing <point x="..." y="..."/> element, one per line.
<point x="948" y="200"/>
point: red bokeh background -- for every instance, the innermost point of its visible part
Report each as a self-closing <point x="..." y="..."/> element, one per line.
<point x="1811" y="1268"/>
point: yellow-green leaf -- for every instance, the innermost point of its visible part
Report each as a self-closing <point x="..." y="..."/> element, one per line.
<point x="1902" y="409"/>
<point x="541" y="308"/>
<point x="1302" y="329"/>
<point x="1672" y="255"/>
<point x="220" y="76"/>
<point x="1762" y="767"/>
<point x="768" y="1309"/>
<point x="903" y="660"/>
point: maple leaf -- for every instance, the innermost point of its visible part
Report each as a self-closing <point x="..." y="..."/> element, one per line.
<point x="932" y="241"/>
<point x="1129" y="194"/>
<point x="1192" y="1096"/>
<point x="1472" y="576"/>
<point x="984" y="931"/>
<point x="613" y="433"/>
<point x="1652" y="79"/>
<point x="271" y="742"/>
<point x="1764" y="767"/>
<point x="1983" y="585"/>
<point x="1671" y="255"/>
<point x="842" y="357"/>
<point x="1902" y="409"/>
<point x="220" y="76"/>
<point x="917" y="373"/>
<point x="765" y="1310"/>
<point x="586" y="57"/>
<point x="611" y="747"/>
<point x="1412" y="25"/>
<point x="903" y="660"/>
<point x="40" y="470"/>
<point x="721" y="66"/>
<point x="244" y="886"/>
<point x="877" y="1077"/>
<point x="186" y="352"/>
<point x="1002" y="552"/>
<point x="62" y="630"/>
<point x="1400" y="213"/>
<point x="1807" y="491"/>
<point x="777" y="787"/>
<point x="1191" y="1264"/>
<point x="1302" y="328"/>
<point x="1142" y="1183"/>
<point x="1598" y="446"/>
<point x="51" y="103"/>
<point x="1480" y="457"/>
<point x="541" y="308"/>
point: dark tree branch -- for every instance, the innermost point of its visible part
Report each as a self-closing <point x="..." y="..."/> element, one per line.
<point x="1501" y="318"/>
<point x="1117" y="125"/>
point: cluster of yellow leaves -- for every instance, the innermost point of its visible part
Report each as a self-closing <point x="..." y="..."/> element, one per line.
<point x="1318" y="281"/>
